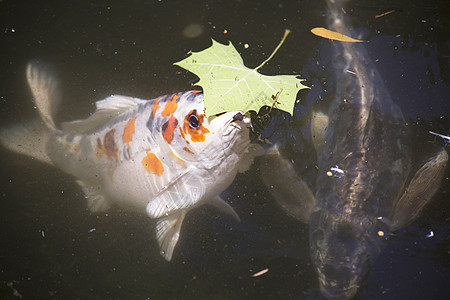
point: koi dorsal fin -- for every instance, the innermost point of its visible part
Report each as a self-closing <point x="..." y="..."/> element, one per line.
<point x="107" y="109"/>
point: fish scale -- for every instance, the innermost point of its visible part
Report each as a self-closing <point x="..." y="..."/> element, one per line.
<point x="115" y="172"/>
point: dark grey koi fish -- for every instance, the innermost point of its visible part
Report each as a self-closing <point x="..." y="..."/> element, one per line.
<point x="364" y="188"/>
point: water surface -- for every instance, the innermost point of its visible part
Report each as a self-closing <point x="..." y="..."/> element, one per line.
<point x="52" y="247"/>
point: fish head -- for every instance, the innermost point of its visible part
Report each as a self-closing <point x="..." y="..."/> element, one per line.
<point x="342" y="249"/>
<point x="208" y="140"/>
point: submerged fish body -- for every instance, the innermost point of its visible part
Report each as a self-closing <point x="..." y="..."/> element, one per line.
<point x="160" y="156"/>
<point x="365" y="138"/>
<point x="365" y="187"/>
<point x="151" y="146"/>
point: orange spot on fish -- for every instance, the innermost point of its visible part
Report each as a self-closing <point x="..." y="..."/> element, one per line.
<point x="168" y="129"/>
<point x="152" y="164"/>
<point x="171" y="106"/>
<point x="182" y="134"/>
<point x="155" y="107"/>
<point x="188" y="150"/>
<point x="99" y="149"/>
<point x="197" y="134"/>
<point x="109" y="144"/>
<point x="128" y="131"/>
<point x="196" y="92"/>
<point x="72" y="147"/>
<point x="110" y="150"/>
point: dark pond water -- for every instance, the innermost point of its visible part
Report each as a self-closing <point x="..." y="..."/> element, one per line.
<point x="52" y="247"/>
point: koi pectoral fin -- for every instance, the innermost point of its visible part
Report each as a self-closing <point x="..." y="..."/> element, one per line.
<point x="223" y="206"/>
<point x="182" y="193"/>
<point x="421" y="189"/>
<point x="170" y="206"/>
<point x="289" y="190"/>
<point x="252" y="151"/>
<point x="168" y="232"/>
<point x="95" y="200"/>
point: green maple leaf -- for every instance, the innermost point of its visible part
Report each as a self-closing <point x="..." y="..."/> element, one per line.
<point x="229" y="85"/>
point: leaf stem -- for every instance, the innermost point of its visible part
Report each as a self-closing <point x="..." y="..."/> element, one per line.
<point x="275" y="100"/>
<point x="286" y="32"/>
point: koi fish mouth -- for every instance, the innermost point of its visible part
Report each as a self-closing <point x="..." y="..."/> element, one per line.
<point x="336" y="293"/>
<point x="238" y="117"/>
<point x="238" y="122"/>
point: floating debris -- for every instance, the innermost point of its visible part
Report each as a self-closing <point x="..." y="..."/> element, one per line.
<point x="15" y="292"/>
<point x="445" y="137"/>
<point x="262" y="272"/>
<point x="384" y="14"/>
<point x="332" y="35"/>
<point x="335" y="171"/>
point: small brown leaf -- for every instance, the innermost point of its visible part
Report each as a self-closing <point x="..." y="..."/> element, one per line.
<point x="332" y="35"/>
<point x="384" y="14"/>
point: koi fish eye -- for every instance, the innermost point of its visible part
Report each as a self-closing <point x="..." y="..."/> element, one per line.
<point x="193" y="121"/>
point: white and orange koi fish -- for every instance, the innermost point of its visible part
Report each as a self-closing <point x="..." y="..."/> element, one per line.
<point x="160" y="156"/>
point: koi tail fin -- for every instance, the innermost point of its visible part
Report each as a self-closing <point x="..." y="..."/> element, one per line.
<point x="46" y="92"/>
<point x="31" y="138"/>
<point x="28" y="139"/>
